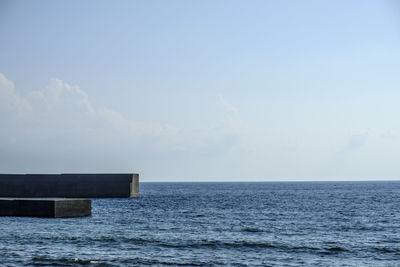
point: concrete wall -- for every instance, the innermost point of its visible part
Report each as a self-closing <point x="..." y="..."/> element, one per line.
<point x="69" y="185"/>
<point x="72" y="208"/>
<point x="52" y="208"/>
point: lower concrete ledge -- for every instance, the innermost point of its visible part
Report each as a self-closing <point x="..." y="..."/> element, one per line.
<point x="45" y="207"/>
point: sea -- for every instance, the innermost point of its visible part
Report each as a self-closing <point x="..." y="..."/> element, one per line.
<point x="219" y="224"/>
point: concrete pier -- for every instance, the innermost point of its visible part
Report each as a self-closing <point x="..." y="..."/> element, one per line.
<point x="41" y="207"/>
<point x="70" y="185"/>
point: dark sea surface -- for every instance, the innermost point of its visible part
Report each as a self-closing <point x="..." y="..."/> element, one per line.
<point x="213" y="224"/>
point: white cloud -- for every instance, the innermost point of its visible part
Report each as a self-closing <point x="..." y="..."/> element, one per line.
<point x="356" y="141"/>
<point x="231" y="114"/>
<point x="9" y="100"/>
<point x="59" y="129"/>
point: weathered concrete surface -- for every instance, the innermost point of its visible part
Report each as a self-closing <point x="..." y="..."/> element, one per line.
<point x="40" y="207"/>
<point x="135" y="186"/>
<point x="69" y="185"/>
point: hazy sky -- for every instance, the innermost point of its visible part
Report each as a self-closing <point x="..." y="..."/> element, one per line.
<point x="201" y="90"/>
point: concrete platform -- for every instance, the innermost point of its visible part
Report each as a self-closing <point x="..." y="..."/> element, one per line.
<point x="70" y="185"/>
<point x="45" y="207"/>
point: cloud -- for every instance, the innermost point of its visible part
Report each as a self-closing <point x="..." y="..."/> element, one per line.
<point x="60" y="95"/>
<point x="231" y="114"/>
<point x="9" y="100"/>
<point x="58" y="129"/>
<point x="389" y="135"/>
<point x="62" y="107"/>
<point x="355" y="142"/>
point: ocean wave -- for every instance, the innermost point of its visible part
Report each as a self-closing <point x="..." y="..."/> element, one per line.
<point x="63" y="261"/>
<point x="251" y="230"/>
<point x="238" y="245"/>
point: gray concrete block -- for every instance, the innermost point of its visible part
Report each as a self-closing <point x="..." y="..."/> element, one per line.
<point x="70" y="185"/>
<point x="135" y="185"/>
<point x="41" y="207"/>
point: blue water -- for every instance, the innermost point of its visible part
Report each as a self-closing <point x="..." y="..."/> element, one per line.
<point x="212" y="224"/>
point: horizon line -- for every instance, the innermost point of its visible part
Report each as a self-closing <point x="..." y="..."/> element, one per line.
<point x="266" y="181"/>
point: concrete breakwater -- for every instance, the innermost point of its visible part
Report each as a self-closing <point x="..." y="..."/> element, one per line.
<point x="28" y="194"/>
<point x="70" y="185"/>
<point x="44" y="207"/>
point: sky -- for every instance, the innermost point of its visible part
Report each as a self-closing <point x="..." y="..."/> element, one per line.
<point x="201" y="90"/>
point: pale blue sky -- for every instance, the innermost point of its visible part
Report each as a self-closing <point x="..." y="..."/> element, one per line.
<point x="201" y="90"/>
